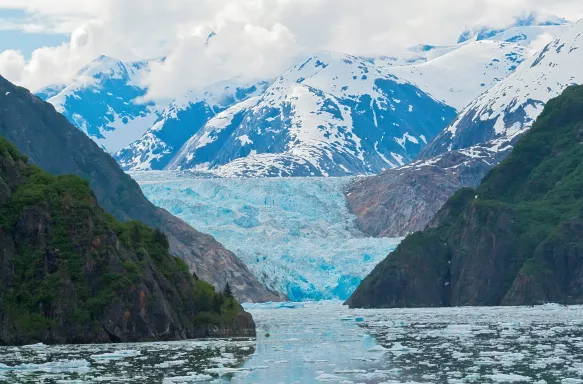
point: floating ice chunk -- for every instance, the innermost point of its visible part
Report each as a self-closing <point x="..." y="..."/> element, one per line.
<point x="187" y="379"/>
<point x="509" y="378"/>
<point x="349" y="371"/>
<point x="116" y="355"/>
<point x="168" y="364"/>
<point x="375" y="376"/>
<point x="225" y="358"/>
<point x="398" y="347"/>
<point x="378" y="348"/>
<point x="51" y="367"/>
<point x="222" y="371"/>
<point x="36" y="346"/>
<point x="326" y="377"/>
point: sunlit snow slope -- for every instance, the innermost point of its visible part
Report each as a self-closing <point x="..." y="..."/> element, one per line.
<point x="295" y="234"/>
<point x="103" y="101"/>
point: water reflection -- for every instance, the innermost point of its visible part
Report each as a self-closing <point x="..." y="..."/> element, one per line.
<point x="312" y="343"/>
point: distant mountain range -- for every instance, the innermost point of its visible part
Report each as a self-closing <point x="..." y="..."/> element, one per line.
<point x="332" y="114"/>
<point x="482" y="135"/>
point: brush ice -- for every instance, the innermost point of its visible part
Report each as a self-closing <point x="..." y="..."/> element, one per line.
<point x="311" y="342"/>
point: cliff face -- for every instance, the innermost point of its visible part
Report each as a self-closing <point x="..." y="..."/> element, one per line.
<point x="52" y="143"/>
<point x="403" y="200"/>
<point x="70" y="273"/>
<point x="515" y="240"/>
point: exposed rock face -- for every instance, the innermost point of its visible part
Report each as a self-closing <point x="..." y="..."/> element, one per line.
<point x="516" y="240"/>
<point x="70" y="273"/>
<point x="52" y="143"/>
<point x="403" y="200"/>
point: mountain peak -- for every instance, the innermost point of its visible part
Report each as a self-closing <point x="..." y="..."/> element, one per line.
<point x="483" y="32"/>
<point x="104" y="66"/>
<point x="209" y="37"/>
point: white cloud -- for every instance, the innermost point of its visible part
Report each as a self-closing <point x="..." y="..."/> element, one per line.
<point x="12" y="65"/>
<point x="256" y="38"/>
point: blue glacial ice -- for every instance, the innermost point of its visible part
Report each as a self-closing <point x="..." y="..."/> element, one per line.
<point x="295" y="234"/>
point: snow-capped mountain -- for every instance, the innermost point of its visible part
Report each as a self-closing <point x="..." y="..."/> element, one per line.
<point x="459" y="76"/>
<point x="182" y="119"/>
<point x="49" y="91"/>
<point x="482" y="136"/>
<point x="239" y="142"/>
<point x="101" y="101"/>
<point x="524" y="31"/>
<point x="510" y="107"/>
<point x="332" y="115"/>
<point x="528" y="27"/>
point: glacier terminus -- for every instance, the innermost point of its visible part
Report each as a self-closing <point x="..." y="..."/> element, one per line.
<point x="295" y="234"/>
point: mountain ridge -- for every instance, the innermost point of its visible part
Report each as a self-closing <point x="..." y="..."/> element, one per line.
<point x="480" y="137"/>
<point x="50" y="141"/>
<point x="515" y="240"/>
<point x="331" y="115"/>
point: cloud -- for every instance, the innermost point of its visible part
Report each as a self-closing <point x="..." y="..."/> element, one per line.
<point x="255" y="38"/>
<point x="12" y="65"/>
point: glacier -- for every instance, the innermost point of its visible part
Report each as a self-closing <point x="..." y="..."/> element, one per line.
<point x="295" y="234"/>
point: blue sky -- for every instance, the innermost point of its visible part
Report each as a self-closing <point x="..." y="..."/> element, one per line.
<point x="18" y="39"/>
<point x="28" y="42"/>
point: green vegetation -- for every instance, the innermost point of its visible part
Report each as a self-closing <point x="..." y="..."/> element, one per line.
<point x="516" y="239"/>
<point x="64" y="257"/>
<point x="540" y="184"/>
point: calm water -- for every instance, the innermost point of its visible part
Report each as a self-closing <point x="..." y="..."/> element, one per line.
<point x="327" y="342"/>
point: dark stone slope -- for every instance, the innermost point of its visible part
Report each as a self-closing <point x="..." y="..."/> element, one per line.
<point x="70" y="273"/>
<point x="515" y="240"/>
<point x="403" y="200"/>
<point x="52" y="143"/>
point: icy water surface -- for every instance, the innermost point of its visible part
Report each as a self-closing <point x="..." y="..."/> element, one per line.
<point x="326" y="342"/>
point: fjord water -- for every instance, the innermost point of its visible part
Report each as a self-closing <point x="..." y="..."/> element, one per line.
<point x="295" y="234"/>
<point x="327" y="342"/>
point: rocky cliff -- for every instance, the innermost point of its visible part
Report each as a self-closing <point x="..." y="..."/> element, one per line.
<point x="515" y="240"/>
<point x="403" y="200"/>
<point x="70" y="273"/>
<point x="51" y="142"/>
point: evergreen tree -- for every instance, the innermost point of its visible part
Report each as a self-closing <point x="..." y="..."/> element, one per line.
<point x="136" y="234"/>
<point x="227" y="291"/>
<point x="218" y="303"/>
<point x="160" y="238"/>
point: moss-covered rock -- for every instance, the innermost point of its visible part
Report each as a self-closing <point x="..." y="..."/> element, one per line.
<point x="71" y="273"/>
